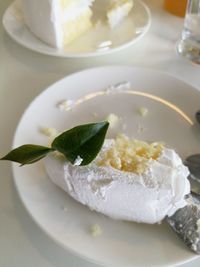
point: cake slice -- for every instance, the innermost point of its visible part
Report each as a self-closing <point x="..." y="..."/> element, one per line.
<point x="117" y="11"/>
<point x="57" y="22"/>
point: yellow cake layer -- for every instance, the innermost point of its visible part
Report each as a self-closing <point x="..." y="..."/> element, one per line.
<point x="74" y="28"/>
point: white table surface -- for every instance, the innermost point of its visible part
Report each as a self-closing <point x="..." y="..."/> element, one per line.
<point x="23" y="75"/>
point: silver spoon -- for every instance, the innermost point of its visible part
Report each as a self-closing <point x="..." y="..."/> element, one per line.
<point x="186" y="221"/>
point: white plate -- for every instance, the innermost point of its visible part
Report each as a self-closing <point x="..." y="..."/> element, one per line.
<point x="99" y="40"/>
<point x="171" y="104"/>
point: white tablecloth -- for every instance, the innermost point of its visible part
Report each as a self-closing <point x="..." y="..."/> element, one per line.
<point x="23" y="75"/>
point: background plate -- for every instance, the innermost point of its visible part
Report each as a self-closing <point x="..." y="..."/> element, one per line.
<point x="171" y="104"/>
<point x="99" y="40"/>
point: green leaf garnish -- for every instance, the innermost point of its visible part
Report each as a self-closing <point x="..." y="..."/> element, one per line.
<point x="27" y="154"/>
<point x="84" y="141"/>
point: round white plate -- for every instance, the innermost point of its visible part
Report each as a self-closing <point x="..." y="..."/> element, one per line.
<point x="99" y="40"/>
<point x="171" y="107"/>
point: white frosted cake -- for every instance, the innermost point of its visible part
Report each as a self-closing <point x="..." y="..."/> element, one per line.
<point x="129" y="180"/>
<point x="57" y="22"/>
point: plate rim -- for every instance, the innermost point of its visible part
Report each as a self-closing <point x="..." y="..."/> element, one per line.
<point x="14" y="166"/>
<point x="75" y="55"/>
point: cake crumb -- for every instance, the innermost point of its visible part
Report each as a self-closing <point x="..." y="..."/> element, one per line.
<point x="130" y="155"/>
<point x="64" y="208"/>
<point x="95" y="114"/>
<point x="143" y="111"/>
<point x="117" y="11"/>
<point x="119" y="87"/>
<point x="65" y="105"/>
<point x="113" y="120"/>
<point x="48" y="131"/>
<point x="95" y="230"/>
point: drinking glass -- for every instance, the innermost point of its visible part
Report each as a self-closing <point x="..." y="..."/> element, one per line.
<point x="189" y="45"/>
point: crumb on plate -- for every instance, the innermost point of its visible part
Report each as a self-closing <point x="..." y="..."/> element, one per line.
<point x="48" y="131"/>
<point x="113" y="120"/>
<point x="65" y="105"/>
<point x="95" y="230"/>
<point x="143" y="111"/>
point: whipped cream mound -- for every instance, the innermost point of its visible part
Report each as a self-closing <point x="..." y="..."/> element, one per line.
<point x="129" y="180"/>
<point x="57" y="22"/>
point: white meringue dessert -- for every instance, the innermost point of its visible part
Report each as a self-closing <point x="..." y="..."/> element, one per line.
<point x="129" y="180"/>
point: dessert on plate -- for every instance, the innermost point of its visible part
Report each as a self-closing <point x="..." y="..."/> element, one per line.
<point x="122" y="178"/>
<point x="128" y="180"/>
<point x="57" y="22"/>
